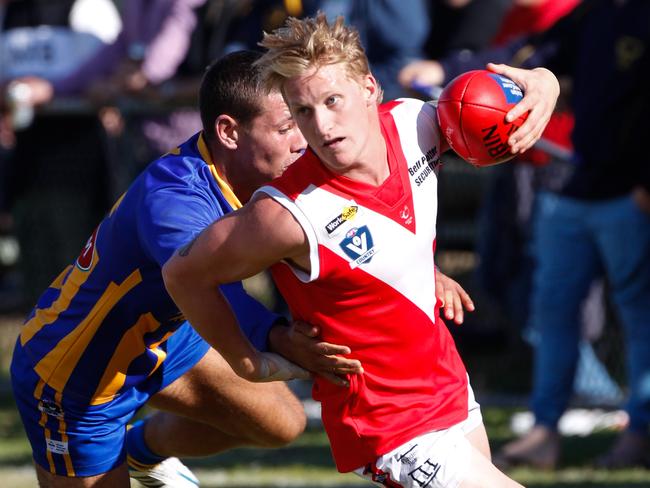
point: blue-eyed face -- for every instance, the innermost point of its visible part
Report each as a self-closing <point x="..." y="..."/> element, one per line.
<point x="334" y="112"/>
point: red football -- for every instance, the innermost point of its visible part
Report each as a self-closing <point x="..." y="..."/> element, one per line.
<point x="471" y="114"/>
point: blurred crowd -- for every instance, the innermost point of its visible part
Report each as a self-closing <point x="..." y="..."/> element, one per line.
<point x="91" y="90"/>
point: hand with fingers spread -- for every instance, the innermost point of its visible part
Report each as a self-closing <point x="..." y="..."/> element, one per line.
<point x="299" y="342"/>
<point x="453" y="297"/>
<point x="541" y="90"/>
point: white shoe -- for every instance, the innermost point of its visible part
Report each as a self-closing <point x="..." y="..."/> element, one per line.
<point x="171" y="473"/>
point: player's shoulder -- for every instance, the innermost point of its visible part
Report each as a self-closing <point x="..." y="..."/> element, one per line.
<point x="403" y="104"/>
<point x="186" y="160"/>
<point x="305" y="171"/>
<point x="404" y="115"/>
<point x="185" y="169"/>
<point x="404" y="108"/>
<point x="177" y="178"/>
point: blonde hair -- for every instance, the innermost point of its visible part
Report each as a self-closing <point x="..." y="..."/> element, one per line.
<point x="304" y="44"/>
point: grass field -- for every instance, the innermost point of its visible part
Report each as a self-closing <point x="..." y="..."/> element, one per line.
<point x="307" y="462"/>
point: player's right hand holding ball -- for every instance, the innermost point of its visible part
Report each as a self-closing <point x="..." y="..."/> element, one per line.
<point x="486" y="118"/>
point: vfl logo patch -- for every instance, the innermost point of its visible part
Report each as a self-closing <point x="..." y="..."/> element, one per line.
<point x="510" y="89"/>
<point x="358" y="246"/>
<point x="348" y="213"/>
<point x="85" y="259"/>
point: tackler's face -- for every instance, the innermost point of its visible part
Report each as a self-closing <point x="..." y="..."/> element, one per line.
<point x="333" y="110"/>
<point x="271" y="142"/>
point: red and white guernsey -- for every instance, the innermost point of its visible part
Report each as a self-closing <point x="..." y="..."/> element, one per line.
<point x="372" y="287"/>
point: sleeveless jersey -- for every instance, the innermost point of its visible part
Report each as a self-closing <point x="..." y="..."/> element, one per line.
<point x="101" y="326"/>
<point x="372" y="287"/>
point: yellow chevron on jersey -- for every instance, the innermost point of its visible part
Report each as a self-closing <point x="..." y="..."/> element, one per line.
<point x="129" y="348"/>
<point x="73" y="280"/>
<point x="55" y="368"/>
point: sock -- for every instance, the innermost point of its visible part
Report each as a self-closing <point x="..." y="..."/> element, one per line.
<point x="139" y="454"/>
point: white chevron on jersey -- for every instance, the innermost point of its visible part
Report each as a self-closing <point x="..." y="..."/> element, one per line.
<point x="385" y="246"/>
<point x="371" y="286"/>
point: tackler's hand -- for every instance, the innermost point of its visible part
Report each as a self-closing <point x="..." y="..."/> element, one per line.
<point x="300" y="343"/>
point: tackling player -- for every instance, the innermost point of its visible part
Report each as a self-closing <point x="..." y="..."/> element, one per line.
<point x="105" y="337"/>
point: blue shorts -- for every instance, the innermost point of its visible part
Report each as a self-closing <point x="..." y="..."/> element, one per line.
<point x="72" y="438"/>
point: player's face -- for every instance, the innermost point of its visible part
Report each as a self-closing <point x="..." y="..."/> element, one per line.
<point x="269" y="143"/>
<point x="334" y="113"/>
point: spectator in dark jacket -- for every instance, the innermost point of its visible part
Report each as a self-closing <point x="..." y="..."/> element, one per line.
<point x="598" y="220"/>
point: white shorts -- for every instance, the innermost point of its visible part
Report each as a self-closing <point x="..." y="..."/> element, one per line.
<point x="436" y="459"/>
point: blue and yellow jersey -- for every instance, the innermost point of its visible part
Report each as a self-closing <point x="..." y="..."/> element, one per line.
<point x="101" y="326"/>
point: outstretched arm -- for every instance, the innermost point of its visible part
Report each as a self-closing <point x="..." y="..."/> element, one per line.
<point x="231" y="249"/>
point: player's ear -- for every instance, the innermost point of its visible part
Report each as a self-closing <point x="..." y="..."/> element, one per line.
<point x="226" y="131"/>
<point x="370" y="89"/>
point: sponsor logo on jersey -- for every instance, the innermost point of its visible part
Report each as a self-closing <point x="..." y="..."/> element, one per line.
<point x="57" y="447"/>
<point x="85" y="259"/>
<point x="358" y="245"/>
<point x="427" y="165"/>
<point x="50" y="408"/>
<point x="349" y="213"/>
